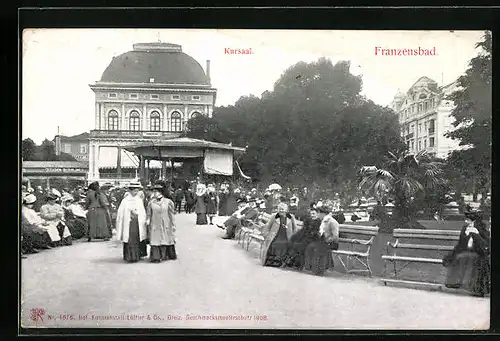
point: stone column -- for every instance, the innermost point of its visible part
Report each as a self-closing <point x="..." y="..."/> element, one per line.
<point x="147" y="171"/>
<point x="91" y="160"/>
<point x="163" y="169"/>
<point x="165" y="121"/>
<point x="96" y="160"/>
<point x="142" y="167"/>
<point x="119" y="162"/>
<point x="97" y="118"/>
<point x="123" y="125"/>
<point x="144" y="115"/>
<point x="185" y="118"/>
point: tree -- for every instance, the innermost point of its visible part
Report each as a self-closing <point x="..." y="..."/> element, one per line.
<point x="28" y="150"/>
<point x="403" y="176"/>
<point x="473" y="119"/>
<point x="314" y="127"/>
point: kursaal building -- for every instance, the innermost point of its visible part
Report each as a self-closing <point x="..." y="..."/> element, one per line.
<point x="145" y="98"/>
<point x="424" y="114"/>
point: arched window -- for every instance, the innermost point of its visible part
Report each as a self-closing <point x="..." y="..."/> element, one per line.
<point x="135" y="120"/>
<point x="195" y="114"/>
<point x="176" y="122"/>
<point x="155" y="121"/>
<point x="112" y="120"/>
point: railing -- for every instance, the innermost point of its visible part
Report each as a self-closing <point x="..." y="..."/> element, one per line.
<point x="133" y="134"/>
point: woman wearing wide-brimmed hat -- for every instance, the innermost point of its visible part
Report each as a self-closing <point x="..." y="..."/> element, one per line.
<point x="98" y="215"/>
<point x="53" y="214"/>
<point x="161" y="225"/>
<point x="131" y="224"/>
<point x="469" y="262"/>
<point x="201" y="205"/>
<point x="34" y="229"/>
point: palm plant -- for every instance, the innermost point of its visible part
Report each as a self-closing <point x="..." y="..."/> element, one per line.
<point x="404" y="176"/>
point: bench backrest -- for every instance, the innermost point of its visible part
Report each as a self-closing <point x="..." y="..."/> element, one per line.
<point x="452" y="235"/>
<point x="424" y="243"/>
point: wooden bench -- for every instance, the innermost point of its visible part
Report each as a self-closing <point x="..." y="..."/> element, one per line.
<point x="248" y="226"/>
<point x="358" y="239"/>
<point x="256" y="232"/>
<point x="418" y="239"/>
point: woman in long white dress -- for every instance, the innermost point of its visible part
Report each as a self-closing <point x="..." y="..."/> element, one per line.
<point x="161" y="226"/>
<point x="131" y="224"/>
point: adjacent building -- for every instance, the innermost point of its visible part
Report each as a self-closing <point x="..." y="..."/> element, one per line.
<point x="424" y="117"/>
<point x="76" y="146"/>
<point x="145" y="95"/>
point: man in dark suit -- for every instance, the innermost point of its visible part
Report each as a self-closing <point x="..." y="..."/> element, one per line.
<point x="178" y="196"/>
<point x="248" y="211"/>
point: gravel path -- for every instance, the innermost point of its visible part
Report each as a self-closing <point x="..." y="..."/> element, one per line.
<point x="216" y="284"/>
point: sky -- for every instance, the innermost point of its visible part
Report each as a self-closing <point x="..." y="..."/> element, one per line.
<point x="60" y="64"/>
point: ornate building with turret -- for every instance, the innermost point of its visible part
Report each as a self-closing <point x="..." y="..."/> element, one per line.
<point x="424" y="117"/>
<point x="145" y="95"/>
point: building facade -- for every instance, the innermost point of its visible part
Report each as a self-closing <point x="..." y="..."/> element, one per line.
<point x="55" y="173"/>
<point x="146" y="95"/>
<point x="424" y="117"/>
<point x="76" y="146"/>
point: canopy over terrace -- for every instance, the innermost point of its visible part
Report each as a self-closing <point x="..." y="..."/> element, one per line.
<point x="217" y="158"/>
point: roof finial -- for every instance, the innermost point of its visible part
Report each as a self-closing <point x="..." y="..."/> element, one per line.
<point x="158" y="34"/>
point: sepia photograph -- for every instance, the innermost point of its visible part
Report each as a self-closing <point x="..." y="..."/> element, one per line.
<point x="255" y="179"/>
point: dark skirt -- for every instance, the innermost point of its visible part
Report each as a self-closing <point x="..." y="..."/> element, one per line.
<point x="162" y="252"/>
<point x="98" y="226"/>
<point x="297" y="249"/>
<point x="277" y="254"/>
<point x="64" y="241"/>
<point x="318" y="257"/>
<point x="201" y="219"/>
<point x="35" y="238"/>
<point x="134" y="250"/>
<point x="471" y="272"/>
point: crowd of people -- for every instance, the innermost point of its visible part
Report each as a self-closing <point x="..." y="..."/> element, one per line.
<point x="142" y="215"/>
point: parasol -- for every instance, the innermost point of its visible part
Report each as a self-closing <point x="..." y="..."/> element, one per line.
<point x="274" y="187"/>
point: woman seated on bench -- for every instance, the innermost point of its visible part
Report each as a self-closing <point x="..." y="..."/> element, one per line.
<point x="318" y="255"/>
<point x="299" y="241"/>
<point x="34" y="235"/>
<point x="281" y="227"/>
<point x="469" y="262"/>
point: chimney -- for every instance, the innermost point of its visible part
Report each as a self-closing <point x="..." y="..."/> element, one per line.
<point x="208" y="70"/>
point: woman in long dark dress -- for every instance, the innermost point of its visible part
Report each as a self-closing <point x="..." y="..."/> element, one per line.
<point x="318" y="255"/>
<point x="212" y="203"/>
<point x="469" y="262"/>
<point x="223" y="195"/>
<point x="131" y="224"/>
<point x="98" y="215"/>
<point x="201" y="205"/>
<point x="281" y="227"/>
<point x="299" y="241"/>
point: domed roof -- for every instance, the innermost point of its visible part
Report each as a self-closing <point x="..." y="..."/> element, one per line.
<point x="163" y="62"/>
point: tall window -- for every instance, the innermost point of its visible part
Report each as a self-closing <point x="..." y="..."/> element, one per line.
<point x="432" y="126"/>
<point x="112" y="120"/>
<point x="175" y="120"/>
<point x="135" y="120"/>
<point x="155" y="121"/>
<point x="431" y="142"/>
<point x="195" y="114"/>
